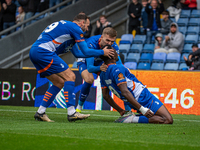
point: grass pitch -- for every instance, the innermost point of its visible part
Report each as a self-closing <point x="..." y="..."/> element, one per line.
<point x="19" y="130"/>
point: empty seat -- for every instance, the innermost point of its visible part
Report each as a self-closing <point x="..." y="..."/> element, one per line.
<point x="191" y="39"/>
<point x="193" y="30"/>
<point x="173" y="57"/>
<point x="182" y="21"/>
<point x="159" y="57"/>
<point x="126" y="39"/>
<point x="183" y="66"/>
<point x="133" y="57"/>
<point x="144" y="66"/>
<point x="183" y="29"/>
<point x="185" y="13"/>
<point x="124" y="52"/>
<point x="182" y="56"/>
<point x="139" y="39"/>
<point x="187" y="48"/>
<point x="157" y="66"/>
<point x="195" y="13"/>
<point x="148" y="48"/>
<point x="146" y="57"/>
<point x="74" y="65"/>
<point x="124" y="47"/>
<point x="171" y="66"/>
<point x="131" y="65"/>
<point x="173" y="19"/>
<point x="194" y="22"/>
<point x="136" y="48"/>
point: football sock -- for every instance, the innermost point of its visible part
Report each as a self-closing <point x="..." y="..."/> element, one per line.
<point x="143" y="119"/>
<point x="69" y="96"/>
<point x="84" y="93"/>
<point x="79" y="107"/>
<point x="127" y="107"/>
<point x="48" y="98"/>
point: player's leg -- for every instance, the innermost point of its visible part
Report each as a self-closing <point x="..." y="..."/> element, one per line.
<point x="69" y="84"/>
<point x="85" y="89"/>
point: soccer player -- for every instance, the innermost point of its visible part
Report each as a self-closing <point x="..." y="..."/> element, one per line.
<point x="95" y="64"/>
<point x="125" y="85"/>
<point x="58" y="38"/>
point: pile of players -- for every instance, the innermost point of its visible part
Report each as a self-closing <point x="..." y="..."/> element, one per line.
<point x="99" y="54"/>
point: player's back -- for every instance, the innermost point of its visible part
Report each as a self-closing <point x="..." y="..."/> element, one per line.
<point x="118" y="74"/>
<point x="58" y="36"/>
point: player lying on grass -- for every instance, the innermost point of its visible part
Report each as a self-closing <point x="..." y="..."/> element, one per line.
<point x="87" y="66"/>
<point x="126" y="86"/>
<point x="58" y="38"/>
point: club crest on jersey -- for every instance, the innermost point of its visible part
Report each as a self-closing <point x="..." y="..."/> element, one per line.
<point x="81" y="35"/>
<point x="120" y="77"/>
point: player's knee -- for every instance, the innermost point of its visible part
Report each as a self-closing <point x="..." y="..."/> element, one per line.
<point x="89" y="80"/>
<point x="70" y="77"/>
<point x="168" y="120"/>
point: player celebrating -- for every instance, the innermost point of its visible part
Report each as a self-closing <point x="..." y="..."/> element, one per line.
<point x="125" y="85"/>
<point x="94" y="64"/>
<point x="57" y="38"/>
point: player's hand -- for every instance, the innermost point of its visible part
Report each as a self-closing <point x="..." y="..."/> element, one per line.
<point x="146" y="112"/>
<point x="123" y="112"/>
<point x="108" y="52"/>
<point x="103" y="67"/>
<point x="149" y="113"/>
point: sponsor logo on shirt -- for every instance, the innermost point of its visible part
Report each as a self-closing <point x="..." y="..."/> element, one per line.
<point x="109" y="81"/>
<point x="120" y="77"/>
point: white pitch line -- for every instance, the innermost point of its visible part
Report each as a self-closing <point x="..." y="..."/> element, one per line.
<point x="86" y="111"/>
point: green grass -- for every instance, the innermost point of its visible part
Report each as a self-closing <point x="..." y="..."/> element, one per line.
<point x="19" y="130"/>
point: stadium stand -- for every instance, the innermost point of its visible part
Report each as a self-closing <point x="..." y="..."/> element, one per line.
<point x="139" y="39"/>
<point x="182" y="21"/>
<point x="159" y="57"/>
<point x="183" y="66"/>
<point x="193" y="30"/>
<point x="171" y="66"/>
<point x="124" y="47"/>
<point x="131" y="65"/>
<point x="133" y="57"/>
<point x="173" y="57"/>
<point x="183" y="29"/>
<point x="157" y="66"/>
<point x="136" y="48"/>
<point x="189" y="39"/>
<point x="144" y="66"/>
<point x="182" y="59"/>
<point x="148" y="48"/>
<point x="126" y="39"/>
<point x="195" y="13"/>
<point x="146" y="57"/>
<point x="194" y="22"/>
<point x="185" y="13"/>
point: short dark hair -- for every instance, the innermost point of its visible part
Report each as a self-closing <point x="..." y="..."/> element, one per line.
<point x="110" y="31"/>
<point x="165" y="12"/>
<point x="81" y="16"/>
<point x="105" y="58"/>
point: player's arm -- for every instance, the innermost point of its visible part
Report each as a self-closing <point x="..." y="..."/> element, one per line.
<point x="94" y="52"/>
<point x="77" y="53"/>
<point x="111" y="102"/>
<point x="127" y="94"/>
<point x="94" y="69"/>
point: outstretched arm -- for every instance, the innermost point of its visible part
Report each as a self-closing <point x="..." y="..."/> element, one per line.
<point x="111" y="102"/>
<point x="77" y="53"/>
<point x="94" y="52"/>
<point x="127" y="94"/>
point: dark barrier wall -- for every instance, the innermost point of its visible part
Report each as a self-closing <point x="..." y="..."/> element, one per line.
<point x="17" y="87"/>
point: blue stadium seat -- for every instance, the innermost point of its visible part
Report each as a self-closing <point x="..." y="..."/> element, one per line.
<point x="136" y="48"/>
<point x="183" y="66"/>
<point x="173" y="57"/>
<point x="134" y="57"/>
<point x="195" y="13"/>
<point x="183" y="29"/>
<point x="159" y="57"/>
<point x="126" y="39"/>
<point x="125" y="47"/>
<point x="131" y="65"/>
<point x="124" y="52"/>
<point x="147" y="57"/>
<point x="74" y="65"/>
<point x="193" y="30"/>
<point x="191" y="39"/>
<point x="187" y="48"/>
<point x="185" y="13"/>
<point x="139" y="39"/>
<point x="157" y="66"/>
<point x="194" y="22"/>
<point x="144" y="66"/>
<point x="173" y="19"/>
<point x="182" y="21"/>
<point x="182" y="57"/>
<point x="171" y="66"/>
<point x="148" y="48"/>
